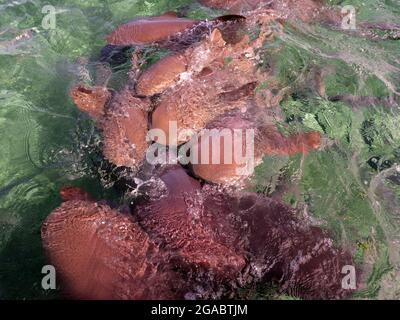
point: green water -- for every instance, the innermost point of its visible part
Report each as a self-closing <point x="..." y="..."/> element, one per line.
<point x="46" y="143"/>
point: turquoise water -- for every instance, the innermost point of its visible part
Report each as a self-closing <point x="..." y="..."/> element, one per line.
<point x="351" y="187"/>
